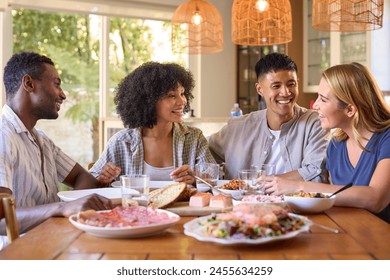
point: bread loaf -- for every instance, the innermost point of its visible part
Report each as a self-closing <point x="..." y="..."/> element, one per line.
<point x="186" y="195"/>
<point x="166" y="196"/>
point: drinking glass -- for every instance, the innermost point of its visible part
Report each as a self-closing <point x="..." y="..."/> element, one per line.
<point x="265" y="172"/>
<point x="249" y="176"/>
<point x="135" y="190"/>
<point x="208" y="172"/>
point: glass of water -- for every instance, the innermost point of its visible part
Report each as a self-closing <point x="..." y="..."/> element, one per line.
<point x="135" y="190"/>
<point x="249" y="176"/>
<point x="208" y="172"/>
<point x="264" y="173"/>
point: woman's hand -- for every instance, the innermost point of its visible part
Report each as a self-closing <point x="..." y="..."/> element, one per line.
<point x="279" y="186"/>
<point x="109" y="172"/>
<point x="180" y="175"/>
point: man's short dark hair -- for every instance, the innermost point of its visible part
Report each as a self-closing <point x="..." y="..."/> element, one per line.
<point x="274" y="62"/>
<point x="20" y="64"/>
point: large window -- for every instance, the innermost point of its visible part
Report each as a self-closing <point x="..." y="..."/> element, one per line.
<point x="136" y="41"/>
<point x="73" y="42"/>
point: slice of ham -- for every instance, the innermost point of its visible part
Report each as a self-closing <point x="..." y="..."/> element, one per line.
<point x="221" y="201"/>
<point x="200" y="199"/>
<point x="123" y="217"/>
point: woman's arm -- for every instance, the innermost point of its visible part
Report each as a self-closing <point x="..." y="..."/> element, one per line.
<point x="374" y="197"/>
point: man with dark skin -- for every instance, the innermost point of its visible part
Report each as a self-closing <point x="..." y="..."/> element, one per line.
<point x="32" y="166"/>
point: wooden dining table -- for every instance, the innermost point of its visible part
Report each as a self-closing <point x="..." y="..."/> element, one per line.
<point x="362" y="236"/>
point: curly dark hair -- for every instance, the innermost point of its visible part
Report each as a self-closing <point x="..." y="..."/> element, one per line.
<point x="137" y="94"/>
<point x="274" y="62"/>
<point x="20" y="64"/>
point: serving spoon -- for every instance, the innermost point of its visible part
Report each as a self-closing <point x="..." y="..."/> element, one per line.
<point x="340" y="190"/>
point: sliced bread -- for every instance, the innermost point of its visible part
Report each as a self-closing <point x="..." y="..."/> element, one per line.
<point x="186" y="195"/>
<point x="166" y="196"/>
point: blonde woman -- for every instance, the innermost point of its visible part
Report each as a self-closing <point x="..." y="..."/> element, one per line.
<point x="350" y="102"/>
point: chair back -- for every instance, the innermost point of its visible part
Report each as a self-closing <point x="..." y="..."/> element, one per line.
<point x="8" y="212"/>
<point x="90" y="165"/>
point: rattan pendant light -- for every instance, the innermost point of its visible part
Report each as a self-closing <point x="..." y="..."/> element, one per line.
<point x="197" y="28"/>
<point x="347" y="15"/>
<point x="261" y="22"/>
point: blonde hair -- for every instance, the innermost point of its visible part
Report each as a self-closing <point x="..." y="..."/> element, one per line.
<point x="354" y="84"/>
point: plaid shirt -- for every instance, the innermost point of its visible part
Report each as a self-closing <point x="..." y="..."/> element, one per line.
<point x="125" y="149"/>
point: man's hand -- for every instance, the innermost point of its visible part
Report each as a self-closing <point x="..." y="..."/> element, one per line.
<point x="93" y="201"/>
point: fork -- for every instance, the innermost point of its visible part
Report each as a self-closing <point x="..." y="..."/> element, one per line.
<point x="334" y="230"/>
<point x="213" y="187"/>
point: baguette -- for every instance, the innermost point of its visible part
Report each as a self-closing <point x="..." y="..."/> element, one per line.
<point x="166" y="196"/>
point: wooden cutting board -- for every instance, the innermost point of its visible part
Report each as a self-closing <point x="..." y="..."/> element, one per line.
<point x="183" y="209"/>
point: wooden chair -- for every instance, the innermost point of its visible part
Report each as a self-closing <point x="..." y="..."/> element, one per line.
<point x="90" y="165"/>
<point x="7" y="211"/>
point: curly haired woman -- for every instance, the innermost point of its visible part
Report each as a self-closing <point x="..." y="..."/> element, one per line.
<point x="351" y="102"/>
<point x="151" y="102"/>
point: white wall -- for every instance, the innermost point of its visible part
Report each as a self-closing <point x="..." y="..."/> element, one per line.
<point x="380" y="54"/>
<point x="218" y="79"/>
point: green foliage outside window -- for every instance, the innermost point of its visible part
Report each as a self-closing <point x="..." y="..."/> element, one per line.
<point x="70" y="41"/>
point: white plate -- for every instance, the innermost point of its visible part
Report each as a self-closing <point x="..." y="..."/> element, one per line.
<point x="192" y="229"/>
<point x="282" y="204"/>
<point x="110" y="193"/>
<point x="126" y="232"/>
<point x="152" y="184"/>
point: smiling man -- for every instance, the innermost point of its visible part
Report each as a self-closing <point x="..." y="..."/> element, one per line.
<point x="284" y="134"/>
<point x="31" y="165"/>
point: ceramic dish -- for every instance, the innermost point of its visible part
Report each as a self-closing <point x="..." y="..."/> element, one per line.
<point x="309" y="204"/>
<point x="152" y="184"/>
<point x="281" y="204"/>
<point x="192" y="229"/>
<point x="233" y="193"/>
<point x="127" y="232"/>
<point x="204" y="188"/>
<point x="262" y="199"/>
<point x="110" y="193"/>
